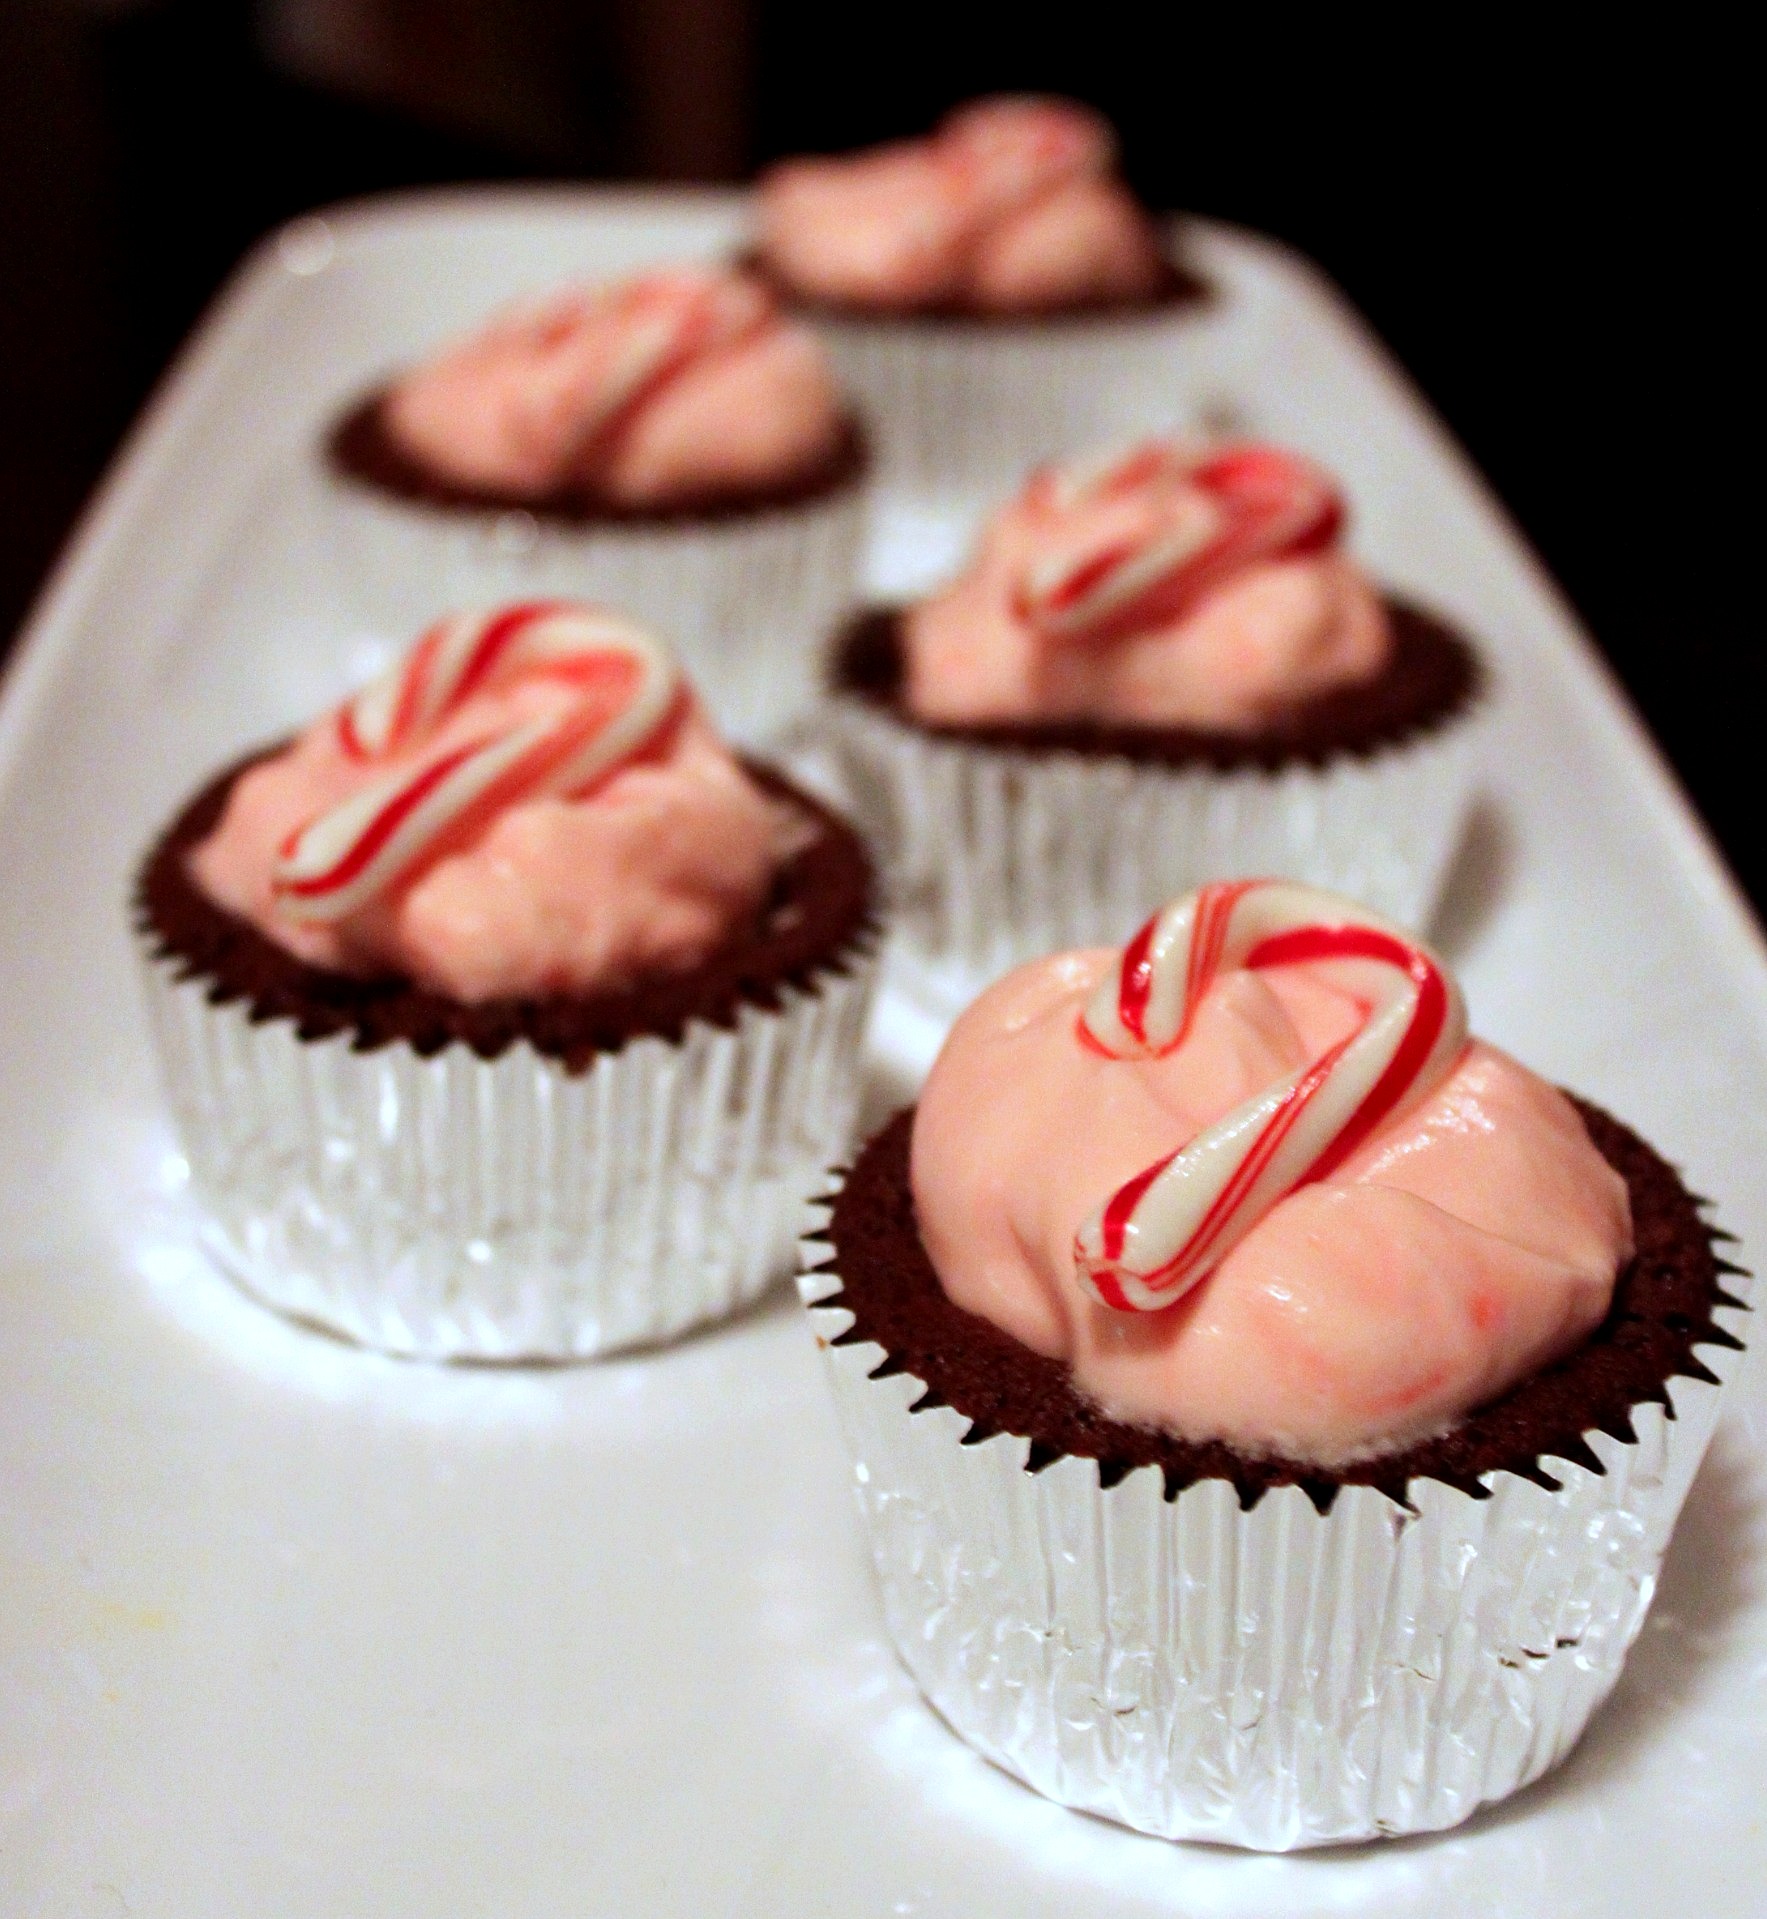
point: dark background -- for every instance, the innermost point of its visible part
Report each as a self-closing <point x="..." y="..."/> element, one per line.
<point x="1549" y="232"/>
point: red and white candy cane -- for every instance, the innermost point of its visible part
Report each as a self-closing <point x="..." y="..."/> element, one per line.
<point x="626" y="695"/>
<point x="1209" y="514"/>
<point x="633" y="339"/>
<point x="1003" y="153"/>
<point x="1163" y="1230"/>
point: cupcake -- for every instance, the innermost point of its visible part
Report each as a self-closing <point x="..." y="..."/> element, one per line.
<point x="1284" y="1453"/>
<point x="994" y="294"/>
<point x="504" y="1014"/>
<point x="1159" y="667"/>
<point x="670" y="444"/>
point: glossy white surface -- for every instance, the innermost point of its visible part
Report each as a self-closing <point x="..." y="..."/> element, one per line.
<point x="289" y="1629"/>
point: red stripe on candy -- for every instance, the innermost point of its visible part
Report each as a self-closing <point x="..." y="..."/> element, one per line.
<point x="379" y="830"/>
<point x="1110" y="1290"/>
<point x="1209" y="931"/>
<point x="1136" y="985"/>
<point x="656" y="741"/>
<point x="1421" y="1034"/>
<point x="1143" y="465"/>
<point x="1089" y="1040"/>
<point x="1123" y="1202"/>
<point x="500" y="633"/>
<point x="1246" y="1175"/>
<point x="409" y="710"/>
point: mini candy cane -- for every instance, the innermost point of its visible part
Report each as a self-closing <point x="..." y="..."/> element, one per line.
<point x="1208" y="515"/>
<point x="627" y="694"/>
<point x="635" y="338"/>
<point x="1163" y="1230"/>
<point x="999" y="154"/>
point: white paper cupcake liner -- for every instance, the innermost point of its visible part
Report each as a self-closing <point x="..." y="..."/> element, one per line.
<point x="461" y="1208"/>
<point x="746" y="602"/>
<point x="1271" y="1679"/>
<point x="961" y="410"/>
<point x="999" y="855"/>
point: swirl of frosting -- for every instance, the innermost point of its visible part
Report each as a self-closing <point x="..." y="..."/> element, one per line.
<point x="1165" y="585"/>
<point x="682" y="387"/>
<point x="1013" y="205"/>
<point x="1443" y="1229"/>
<point x="528" y="803"/>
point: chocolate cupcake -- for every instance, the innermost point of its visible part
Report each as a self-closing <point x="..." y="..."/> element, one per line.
<point x="1270" y="1408"/>
<point x="994" y="294"/>
<point x="669" y="444"/>
<point x="504" y="1014"/>
<point x="1159" y="667"/>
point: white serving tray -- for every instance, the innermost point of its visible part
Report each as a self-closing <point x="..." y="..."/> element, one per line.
<point x="286" y="1629"/>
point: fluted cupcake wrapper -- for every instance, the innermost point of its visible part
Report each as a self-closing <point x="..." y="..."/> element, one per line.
<point x="454" y="1207"/>
<point x="1273" y="1678"/>
<point x="746" y="601"/>
<point x="998" y="855"/>
<point x="962" y="410"/>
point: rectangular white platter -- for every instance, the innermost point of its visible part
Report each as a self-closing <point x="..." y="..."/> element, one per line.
<point x="288" y="1629"/>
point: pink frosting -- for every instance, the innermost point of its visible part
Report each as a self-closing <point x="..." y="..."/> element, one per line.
<point x="550" y="895"/>
<point x="1230" y="652"/>
<point x="1469" y="1242"/>
<point x="1012" y="206"/>
<point x="674" y="387"/>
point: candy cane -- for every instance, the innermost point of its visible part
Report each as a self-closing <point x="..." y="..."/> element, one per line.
<point x="659" y="324"/>
<point x="1209" y="516"/>
<point x="1003" y="153"/>
<point x="627" y="694"/>
<point x="1113" y="472"/>
<point x="597" y="358"/>
<point x="1163" y="1230"/>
